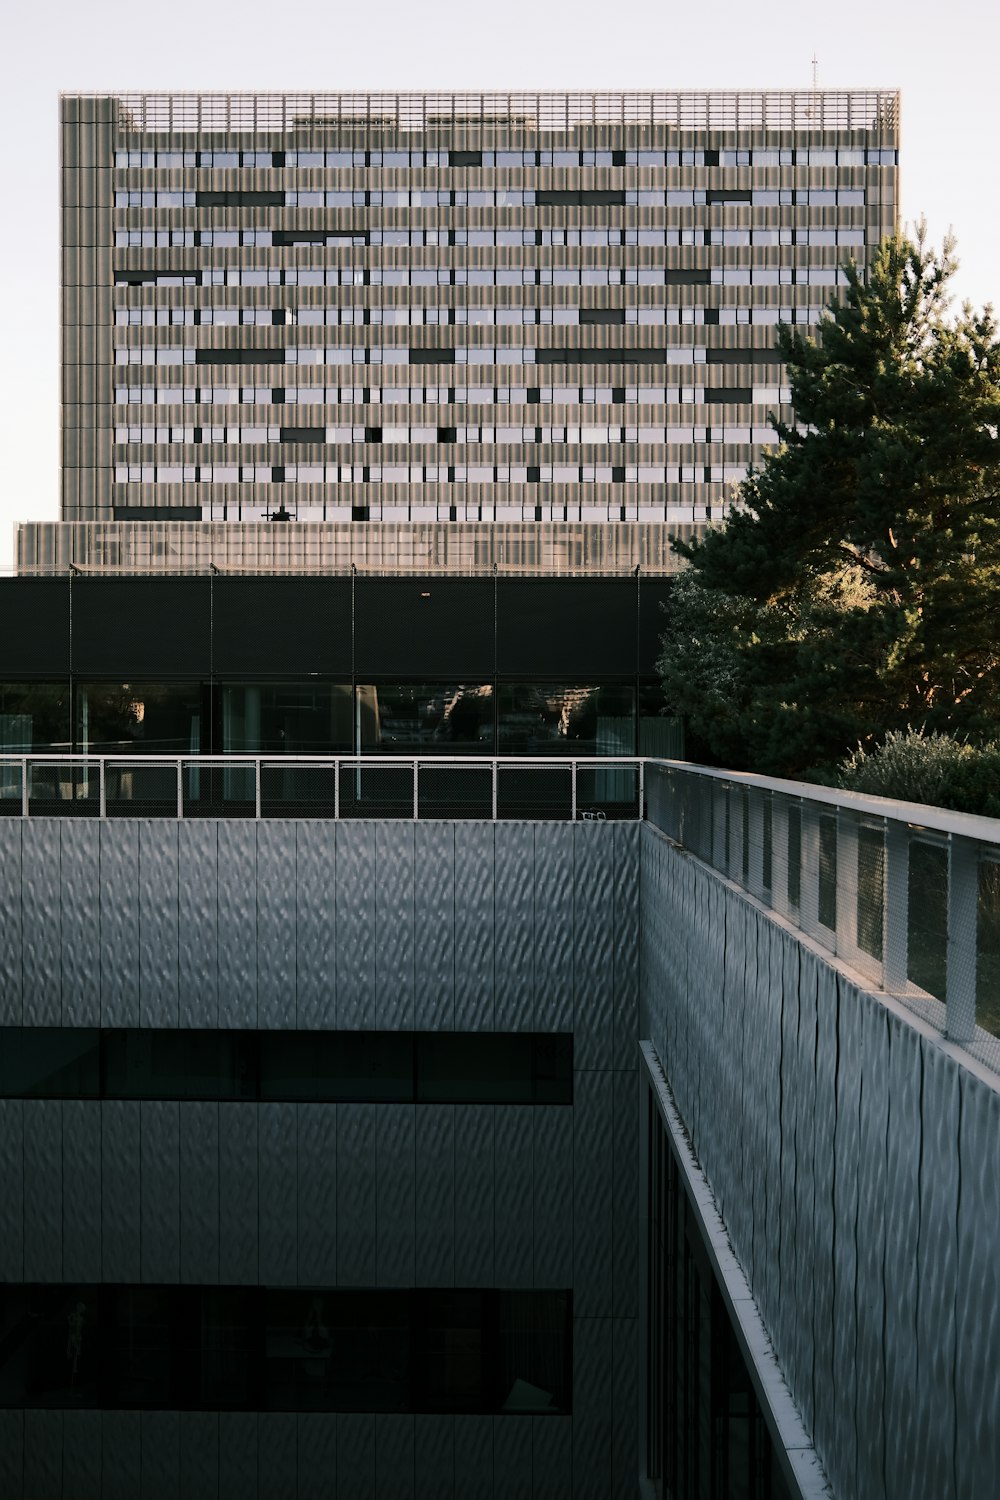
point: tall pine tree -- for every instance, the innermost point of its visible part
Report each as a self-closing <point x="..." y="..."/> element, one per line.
<point x="855" y="588"/>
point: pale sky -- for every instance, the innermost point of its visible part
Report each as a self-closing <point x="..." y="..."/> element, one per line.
<point x="942" y="57"/>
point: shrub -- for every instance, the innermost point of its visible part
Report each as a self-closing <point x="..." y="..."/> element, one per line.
<point x="934" y="768"/>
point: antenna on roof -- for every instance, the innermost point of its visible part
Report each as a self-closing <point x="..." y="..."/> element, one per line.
<point x="815" y="65"/>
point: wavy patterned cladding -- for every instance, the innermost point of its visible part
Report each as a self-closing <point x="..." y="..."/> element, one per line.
<point x="317" y="1450"/>
<point x="237" y="938"/>
<point x="316" y="1194"/>
<point x="553" y="1194"/>
<point x="276" y="927"/>
<point x="512" y="1476"/>
<point x="624" y="1396"/>
<point x="355" y="1455"/>
<point x="514" y="908"/>
<point x="474" y="928"/>
<point x="356" y="1214"/>
<point x="937" y="1264"/>
<point x="977" y="1367"/>
<point x="120" y="1187"/>
<point x="394" y="926"/>
<point x="199" y="1443"/>
<point x="199" y="1191"/>
<point x="159" y="931"/>
<point x="355" y="926"/>
<point x="41" y="924"/>
<point x="902" y="1238"/>
<point x="553" y="926"/>
<point x="43" y="1434"/>
<point x="434" y="1458"/>
<point x="474" y="1201"/>
<point x="625" y="927"/>
<point x="81" y="1455"/>
<point x="593" y="1386"/>
<point x="878" y="1180"/>
<point x="238" y="1190"/>
<point x="315" y="925"/>
<point x="434" y="920"/>
<point x="593" y="1177"/>
<point x="396" y="1208"/>
<point x="121" y="1454"/>
<point x="80" y="961"/>
<point x="159" y="1454"/>
<point x="118" y="920"/>
<point x="625" y="1196"/>
<point x="552" y="1457"/>
<point x="159" y="1188"/>
<point x="394" y="1449"/>
<point x="81" y="1216"/>
<point x="277" y="1457"/>
<point x="593" y="947"/>
<point x="11" y="941"/>
<point x="12" y="1454"/>
<point x="474" y="1458"/>
<point x="514" y="1221"/>
<point x="238" y="1456"/>
<point x="277" y="1179"/>
<point x="11" y="1191"/>
<point x="434" y="1244"/>
<point x="43" y="1189"/>
<point x="197" y="924"/>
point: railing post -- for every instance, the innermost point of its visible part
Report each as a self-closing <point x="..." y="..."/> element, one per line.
<point x="642" y="790"/>
<point x="25" y="788"/>
<point x="102" y="789"/>
<point x="896" y="907"/>
<point x="336" y="789"/>
<point x="720" y="853"/>
<point x="809" y="869"/>
<point x="572" y="765"/>
<point x="180" y="790"/>
<point x="779" y="854"/>
<point x="737" y="832"/>
<point x="416" y="791"/>
<point x="755" y="838"/>
<point x="256" y="766"/>
<point x="496" y="798"/>
<point x="963" y="902"/>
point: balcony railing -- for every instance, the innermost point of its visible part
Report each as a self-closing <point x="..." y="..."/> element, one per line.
<point x="905" y="894"/>
<point x="237" y="786"/>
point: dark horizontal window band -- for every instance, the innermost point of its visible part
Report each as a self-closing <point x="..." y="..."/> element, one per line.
<point x="249" y="1348"/>
<point x="240" y="200"/>
<point x="360" y="1067"/>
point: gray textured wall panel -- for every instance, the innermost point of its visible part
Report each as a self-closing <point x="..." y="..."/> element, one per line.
<point x="43" y="1189"/>
<point x="356" y="1455"/>
<point x="553" y="1187"/>
<point x="977" y="1368"/>
<point x="514" y="909"/>
<point x="80" y="927"/>
<point x="434" y="927"/>
<point x="434" y="1249"/>
<point x="11" y="940"/>
<point x="317" y="1440"/>
<point x="356" y="926"/>
<point x="199" y="1191"/>
<point x="119" y="921"/>
<point x="198" y="924"/>
<point x="120" y="1243"/>
<point x="277" y="1133"/>
<point x="394" y="919"/>
<point x="276" y="924"/>
<point x="81" y="1221"/>
<point x="317" y="1194"/>
<point x="81" y="1455"/>
<point x="434" y="1458"/>
<point x="593" y="945"/>
<point x="843" y="1461"/>
<point x="12" y="1454"/>
<point x="870" y="1348"/>
<point x="43" y="1440"/>
<point x="625" y="1189"/>
<point x="160" y="1188"/>
<point x="158" y="932"/>
<point x="199" y="1444"/>
<point x="12" y="1190"/>
<point x="474" y="1201"/>
<point x="902" y="1235"/>
<point x="121" y="1455"/>
<point x="592" y="1408"/>
<point x="592" y="1184"/>
<point x="160" y="1455"/>
<point x="474" y="1458"/>
<point x="554" y="931"/>
<point x="816" y="1101"/>
<point x="552" y="1457"/>
<point x="394" y="1457"/>
<point x="626" y="944"/>
<point x="937" y="1263"/>
<point x="41" y="918"/>
<point x="238" y="1204"/>
<point x="625" y="1408"/>
<point x="474" y="931"/>
<point x="356" y="1227"/>
<point x="513" y="1236"/>
<point x="316" y="924"/>
<point x="277" y="1455"/>
<point x="512" y="1475"/>
<point x="396" y="1195"/>
<point x="237" y="924"/>
<point x="238" y="1456"/>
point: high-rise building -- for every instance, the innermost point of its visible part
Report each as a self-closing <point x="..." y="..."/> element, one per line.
<point x="445" y="308"/>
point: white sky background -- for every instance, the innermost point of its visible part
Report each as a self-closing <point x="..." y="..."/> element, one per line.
<point x="942" y="56"/>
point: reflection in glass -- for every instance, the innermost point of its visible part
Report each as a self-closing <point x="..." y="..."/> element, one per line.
<point x="286" y="718"/>
<point x="34" y="716"/>
<point x="123" y="718"/>
<point x="426" y="718"/>
<point x="566" y="719"/>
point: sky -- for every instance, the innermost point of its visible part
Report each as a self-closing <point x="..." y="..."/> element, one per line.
<point x="941" y="57"/>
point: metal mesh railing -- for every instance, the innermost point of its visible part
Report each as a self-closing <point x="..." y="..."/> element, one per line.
<point x="907" y="895"/>
<point x="242" y="786"/>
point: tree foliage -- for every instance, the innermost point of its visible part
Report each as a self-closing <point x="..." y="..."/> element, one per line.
<point x="855" y="588"/>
